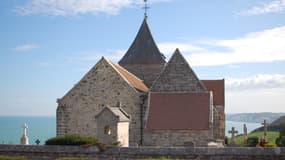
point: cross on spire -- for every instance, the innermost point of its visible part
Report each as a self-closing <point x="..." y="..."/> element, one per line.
<point x="146" y="7"/>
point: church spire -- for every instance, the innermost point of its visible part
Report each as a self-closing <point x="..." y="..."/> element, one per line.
<point x="143" y="49"/>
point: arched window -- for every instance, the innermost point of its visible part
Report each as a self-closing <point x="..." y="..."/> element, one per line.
<point x="107" y="130"/>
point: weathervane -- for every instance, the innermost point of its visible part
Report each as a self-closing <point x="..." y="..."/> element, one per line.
<point x="146" y="7"/>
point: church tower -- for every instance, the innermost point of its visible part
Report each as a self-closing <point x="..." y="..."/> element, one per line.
<point x="143" y="58"/>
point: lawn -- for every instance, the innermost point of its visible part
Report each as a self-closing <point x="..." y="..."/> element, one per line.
<point x="271" y="137"/>
<point x="12" y="158"/>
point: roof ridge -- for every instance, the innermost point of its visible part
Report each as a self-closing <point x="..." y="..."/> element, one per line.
<point x="141" y="87"/>
<point x="180" y="71"/>
<point x="85" y="75"/>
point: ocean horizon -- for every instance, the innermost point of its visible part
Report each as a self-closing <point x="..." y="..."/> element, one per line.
<point x="39" y="127"/>
<point x="44" y="127"/>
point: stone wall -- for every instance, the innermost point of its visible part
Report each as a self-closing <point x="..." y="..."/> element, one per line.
<point x="146" y="72"/>
<point x="177" y="76"/>
<point x="107" y="119"/>
<point x="54" y="152"/>
<point x="123" y="134"/>
<point x="219" y="124"/>
<point x="101" y="86"/>
<point x="168" y="138"/>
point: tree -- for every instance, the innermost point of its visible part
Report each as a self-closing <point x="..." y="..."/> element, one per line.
<point x="280" y="141"/>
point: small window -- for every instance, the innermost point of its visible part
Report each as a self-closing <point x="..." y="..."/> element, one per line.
<point x="107" y="130"/>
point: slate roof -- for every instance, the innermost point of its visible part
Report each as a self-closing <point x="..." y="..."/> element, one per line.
<point x="177" y="76"/>
<point x="118" y="112"/>
<point x="143" y="49"/>
<point x="218" y="88"/>
<point x="179" y="111"/>
<point x="130" y="78"/>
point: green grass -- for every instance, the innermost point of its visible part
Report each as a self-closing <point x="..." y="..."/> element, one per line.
<point x="271" y="137"/>
<point x="161" y="158"/>
<point x="70" y="158"/>
<point x="12" y="158"/>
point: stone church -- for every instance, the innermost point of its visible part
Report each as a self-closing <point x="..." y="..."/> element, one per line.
<point x="144" y="100"/>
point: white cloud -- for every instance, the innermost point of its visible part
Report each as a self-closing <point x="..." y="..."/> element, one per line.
<point x="26" y="47"/>
<point x="271" y="7"/>
<point x="261" y="92"/>
<point x="256" y="82"/>
<point x="264" y="46"/>
<point x="270" y="100"/>
<point x="77" y="7"/>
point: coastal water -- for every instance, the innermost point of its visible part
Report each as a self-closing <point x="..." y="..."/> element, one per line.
<point x="40" y="128"/>
<point x="43" y="128"/>
<point x="239" y="127"/>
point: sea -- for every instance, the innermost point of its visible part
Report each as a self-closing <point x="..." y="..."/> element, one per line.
<point x="43" y="128"/>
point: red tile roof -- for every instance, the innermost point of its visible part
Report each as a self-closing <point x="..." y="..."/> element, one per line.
<point x="132" y="79"/>
<point x="218" y="88"/>
<point x="181" y="111"/>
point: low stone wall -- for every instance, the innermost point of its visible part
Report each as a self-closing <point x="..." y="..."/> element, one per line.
<point x="92" y="152"/>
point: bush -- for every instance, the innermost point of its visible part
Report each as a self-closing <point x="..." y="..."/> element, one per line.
<point x="71" y="140"/>
<point x="280" y="141"/>
<point x="226" y="140"/>
<point x="252" y="141"/>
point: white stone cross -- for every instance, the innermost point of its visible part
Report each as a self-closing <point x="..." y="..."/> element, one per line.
<point x="25" y="126"/>
<point x="233" y="132"/>
<point x="24" y="138"/>
<point x="264" y="130"/>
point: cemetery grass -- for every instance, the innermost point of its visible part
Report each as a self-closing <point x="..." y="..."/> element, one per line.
<point x="12" y="158"/>
<point x="271" y="137"/>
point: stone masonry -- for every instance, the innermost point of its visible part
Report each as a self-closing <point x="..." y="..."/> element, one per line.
<point x="113" y="128"/>
<point x="176" y="138"/>
<point x="147" y="72"/>
<point x="177" y="76"/>
<point x="108" y="83"/>
<point x="121" y="153"/>
<point x="101" y="86"/>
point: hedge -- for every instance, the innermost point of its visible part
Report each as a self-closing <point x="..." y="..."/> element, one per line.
<point x="72" y="139"/>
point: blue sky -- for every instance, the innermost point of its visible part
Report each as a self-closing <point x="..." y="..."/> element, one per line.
<point x="46" y="46"/>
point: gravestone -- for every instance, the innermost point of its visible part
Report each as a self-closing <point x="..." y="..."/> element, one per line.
<point x="38" y="142"/>
<point x="244" y="133"/>
<point x="265" y="124"/>
<point x="233" y="132"/>
<point x="24" y="138"/>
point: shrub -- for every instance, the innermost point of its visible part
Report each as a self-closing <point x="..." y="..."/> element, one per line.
<point x="226" y="140"/>
<point x="252" y="141"/>
<point x="71" y="140"/>
<point x="280" y="141"/>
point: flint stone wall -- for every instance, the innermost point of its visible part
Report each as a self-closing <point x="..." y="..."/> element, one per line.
<point x="176" y="138"/>
<point x="101" y="86"/>
<point x="54" y="152"/>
